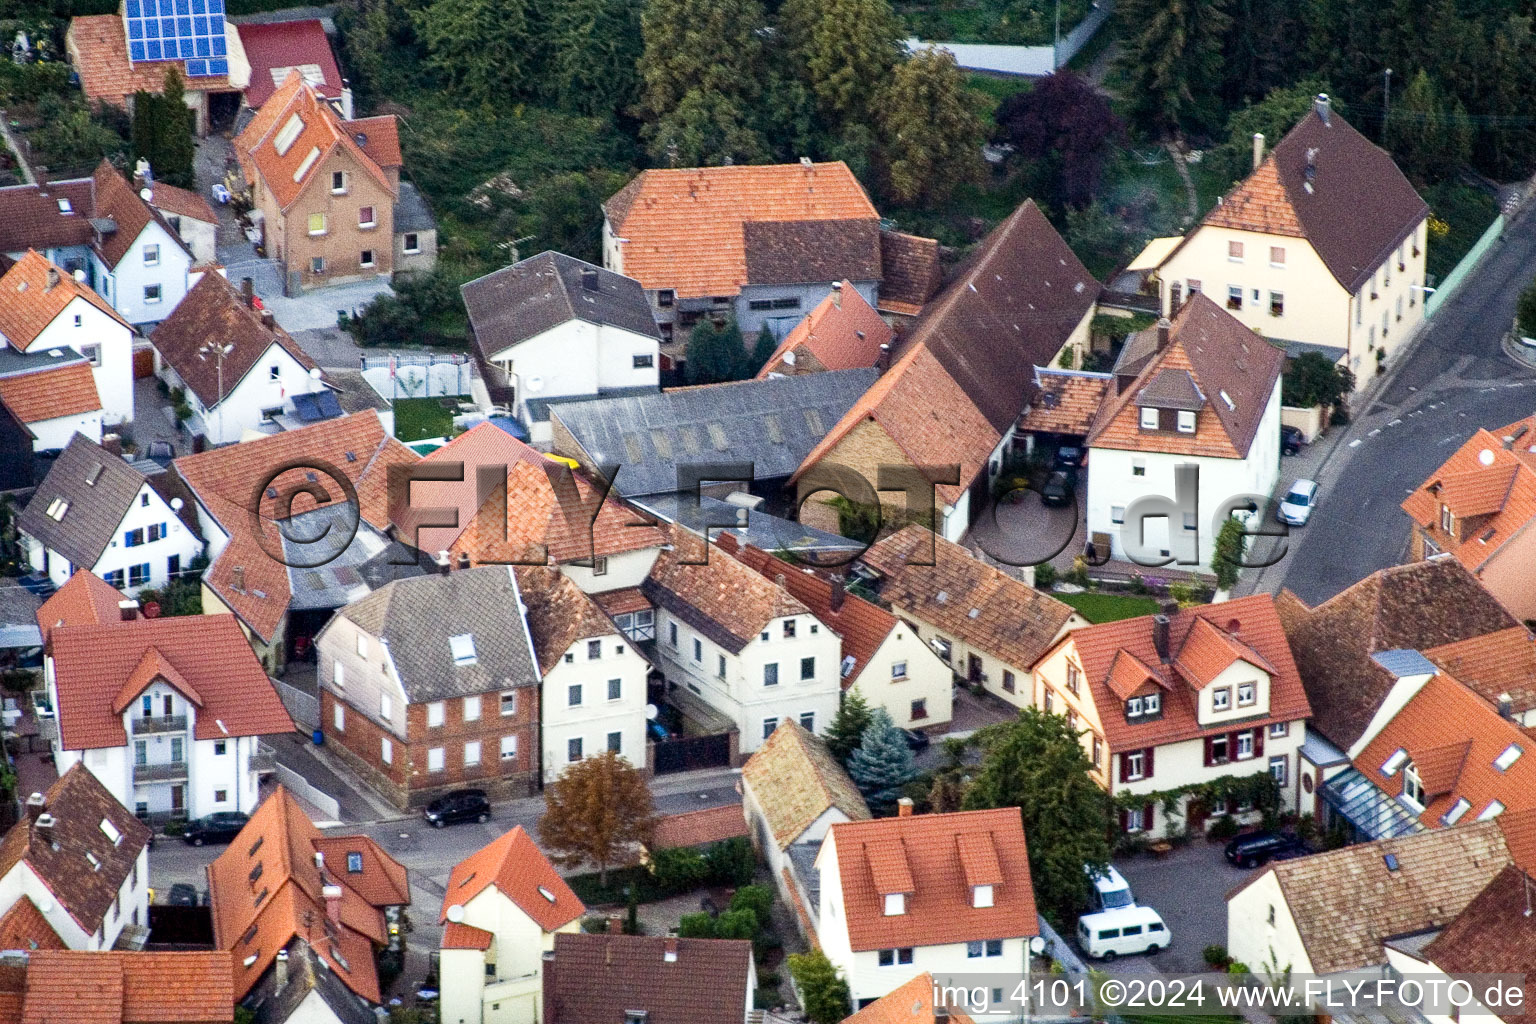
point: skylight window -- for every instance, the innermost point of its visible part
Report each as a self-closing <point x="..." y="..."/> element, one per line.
<point x="463" y="648"/>
<point x="1460" y="808"/>
<point x="93" y="474"/>
<point x="1509" y="757"/>
<point x="288" y="134"/>
<point x="1394" y="762"/>
<point x="110" y="831"/>
<point x="94" y="860"/>
<point x="848" y="662"/>
<point x="546" y="894"/>
<point x="57" y="508"/>
<point x="66" y="207"/>
<point x="1493" y="810"/>
<point x="308" y="162"/>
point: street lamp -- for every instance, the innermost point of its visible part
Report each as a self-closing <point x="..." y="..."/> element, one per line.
<point x="218" y="352"/>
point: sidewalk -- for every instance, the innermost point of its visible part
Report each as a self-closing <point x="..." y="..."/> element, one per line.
<point x="322" y="770"/>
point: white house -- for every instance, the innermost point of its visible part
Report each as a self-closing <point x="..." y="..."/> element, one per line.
<point x="946" y="894"/>
<point x="238" y="368"/>
<point x="740" y="644"/>
<point x="502" y="909"/>
<point x="52" y="395"/>
<point x="94" y="511"/>
<point x="593" y="694"/>
<point x="1167" y="701"/>
<point x="44" y="309"/>
<point x="554" y="327"/>
<point x="1189" y="433"/>
<point x="189" y="215"/>
<point x="166" y="712"/>
<point x="77" y="874"/>
<point x="1322" y="247"/>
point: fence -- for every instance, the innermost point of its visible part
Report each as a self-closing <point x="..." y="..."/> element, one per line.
<point x="303" y="708"/>
<point x="1060" y="950"/>
<point x="301" y="787"/>
<point x="1468" y="263"/>
<point x="1024" y="60"/>
<point x="418" y="375"/>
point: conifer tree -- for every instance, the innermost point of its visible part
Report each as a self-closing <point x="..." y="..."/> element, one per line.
<point x="883" y="764"/>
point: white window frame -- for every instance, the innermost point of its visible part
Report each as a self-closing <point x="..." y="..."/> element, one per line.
<point x="386" y="750"/>
<point x="471" y="753"/>
<point x="508" y="748"/>
<point x="437" y="714"/>
<point x="472" y="708"/>
<point x="151" y="254"/>
<point x="1245" y="746"/>
<point x="436" y="759"/>
<point x="1186" y="421"/>
<point x="1149" y="418"/>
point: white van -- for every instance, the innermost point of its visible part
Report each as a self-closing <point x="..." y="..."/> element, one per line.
<point x="1110" y="889"/>
<point x="1125" y="930"/>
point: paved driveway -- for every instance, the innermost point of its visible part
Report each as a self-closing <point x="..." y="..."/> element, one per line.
<point x="1189" y="889"/>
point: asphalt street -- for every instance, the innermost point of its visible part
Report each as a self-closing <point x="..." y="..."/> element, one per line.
<point x="1455" y="380"/>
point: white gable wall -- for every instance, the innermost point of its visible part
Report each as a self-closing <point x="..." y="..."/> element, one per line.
<point x="113" y="368"/>
<point x="134" y="274"/>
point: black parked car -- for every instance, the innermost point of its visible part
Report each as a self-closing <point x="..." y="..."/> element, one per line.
<point x="1067" y="457"/>
<point x="220" y="827"/>
<point x="916" y="739"/>
<point x="1292" y="440"/>
<point x="1059" y="488"/>
<point x="182" y="895"/>
<point x="460" y="805"/>
<point x="1259" y="848"/>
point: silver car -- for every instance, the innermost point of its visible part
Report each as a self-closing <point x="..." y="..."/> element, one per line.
<point x="1297" y="505"/>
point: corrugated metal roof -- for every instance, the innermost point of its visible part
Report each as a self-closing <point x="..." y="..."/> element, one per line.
<point x="1405" y="663"/>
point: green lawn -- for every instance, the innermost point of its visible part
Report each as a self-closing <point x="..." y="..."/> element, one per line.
<point x="1109" y="607"/>
<point x="420" y="418"/>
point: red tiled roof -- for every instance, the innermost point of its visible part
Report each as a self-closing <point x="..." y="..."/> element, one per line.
<point x="275" y="50"/>
<point x="558" y="613"/>
<point x="911" y="1003"/>
<point x="794" y="780"/>
<point x="1452" y="736"/>
<point x="115" y="987"/>
<point x="98" y="49"/>
<point x="180" y="202"/>
<point x="686" y="228"/>
<point x="484" y="445"/>
<point x="117" y="201"/>
<point x="715" y="593"/>
<point x="30" y="216"/>
<point x="675" y="980"/>
<point x="457" y="935"/>
<point x="520" y="872"/>
<point x="925" y="856"/>
<point x="267" y="888"/>
<point x="84" y="599"/>
<point x="96" y="666"/>
<point x="52" y="392"/>
<point x="909" y="272"/>
<point x="28" y="303"/>
<point x="1492" y="935"/>
<point x="1494" y="665"/>
<point x="1246" y="628"/>
<point x="223" y="481"/>
<point x="378" y="136"/>
<point x="1065" y="401"/>
<point x="843" y="332"/>
<point x="381" y="880"/>
<point x="25" y="927"/>
<point x="699" y="828"/>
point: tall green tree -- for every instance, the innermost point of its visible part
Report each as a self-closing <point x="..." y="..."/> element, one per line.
<point x="1507" y="145"/>
<point x="846" y="49"/>
<point x="1273" y="116"/>
<point x="162" y="132"/>
<point x="1036" y="763"/>
<point x="380" y="48"/>
<point x="883" y="764"/>
<point x="1428" y="133"/>
<point x="1172" y="62"/>
<point x="700" y="72"/>
<point x="484" y="51"/>
<point x="763" y="349"/>
<point x="931" y="133"/>
<point x="847" y="727"/>
<point x="594" y="46"/>
<point x="824" y="990"/>
<point x="715" y="354"/>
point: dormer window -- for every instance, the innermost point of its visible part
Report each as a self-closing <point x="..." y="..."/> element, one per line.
<point x="1186" y="422"/>
<point x="1133" y="708"/>
<point x="1413" y="786"/>
<point x="1221" y="698"/>
<point x="981" y="896"/>
<point x="895" y="904"/>
<point x="1148" y="418"/>
<point x="1152" y="703"/>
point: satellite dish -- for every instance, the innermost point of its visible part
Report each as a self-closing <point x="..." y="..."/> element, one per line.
<point x="314" y="373"/>
<point x="650" y="712"/>
<point x="456" y="913"/>
<point x="176" y="504"/>
<point x="1036" y="944"/>
<point x="146" y="194"/>
<point x="1485" y="457"/>
<point x="534" y="383"/>
<point x="79" y="276"/>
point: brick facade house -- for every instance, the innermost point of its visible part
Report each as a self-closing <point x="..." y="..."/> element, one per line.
<point x="429" y="685"/>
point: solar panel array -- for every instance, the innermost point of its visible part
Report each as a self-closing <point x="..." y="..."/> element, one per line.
<point x="188" y="30"/>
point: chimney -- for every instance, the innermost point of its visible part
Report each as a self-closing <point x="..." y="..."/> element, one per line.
<point x="36" y="805"/>
<point x="332" y="895"/>
<point x="128" y="610"/>
<point x="1258" y="149"/>
<point x="248" y="292"/>
<point x="444" y="562"/>
<point x="237" y="579"/>
<point x="835" y="600"/>
<point x="44" y="824"/>
<point x="615" y="924"/>
<point x="940" y="1014"/>
<point x="1322" y="107"/>
<point x="885" y="358"/>
<point x="589" y="279"/>
<point x="669" y="949"/>
<point x="1506" y="710"/>
<point x="1510" y="439"/>
<point x="904" y="807"/>
<point x="1160" y="637"/>
<point x="53" y="279"/>
<point x="837" y="294"/>
<point x="41" y="176"/>
<point x="1311" y="169"/>
<point x="806" y="162"/>
<point x="464" y="559"/>
<point x="1164" y="329"/>
<point x="280" y="970"/>
<point x="320" y="861"/>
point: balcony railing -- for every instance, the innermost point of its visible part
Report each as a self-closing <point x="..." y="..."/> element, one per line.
<point x="264" y="760"/>
<point x="170" y="771"/>
<point x="159" y="723"/>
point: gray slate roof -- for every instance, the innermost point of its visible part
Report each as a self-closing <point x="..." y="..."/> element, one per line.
<point x="334" y="557"/>
<point x="416" y="617"/>
<point x="1172" y="389"/>
<point x="526" y="299"/>
<point x="412" y="212"/>
<point x="771" y="423"/>
<point x="100" y="488"/>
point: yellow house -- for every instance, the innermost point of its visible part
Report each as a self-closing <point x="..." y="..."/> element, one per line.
<point x="1321" y="247"/>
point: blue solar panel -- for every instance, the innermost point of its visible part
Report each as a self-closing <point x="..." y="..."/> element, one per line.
<point x="187" y="30"/>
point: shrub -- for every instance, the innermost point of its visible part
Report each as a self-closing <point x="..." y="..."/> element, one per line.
<point x="1045" y="576"/>
<point x="174" y="827"/>
<point x="696" y="926"/>
<point x="1238" y="967"/>
<point x="1215" y="955"/>
<point x="680" y="869"/>
<point x="766" y="997"/>
<point x="1525" y="310"/>
<point x="1224" y="827"/>
<point x="822" y="989"/>
<point x="736" y="924"/>
<point x="756" y="898"/>
<point x="732" y="862"/>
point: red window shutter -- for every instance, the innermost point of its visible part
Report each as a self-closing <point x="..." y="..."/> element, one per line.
<point x="1146" y="817"/>
<point x="1208" y="751"/>
<point x="1147" y="762"/>
<point x="1125" y="821"/>
<point x="1258" y="741"/>
<point x="1231" y="805"/>
<point x="1124" y="767"/>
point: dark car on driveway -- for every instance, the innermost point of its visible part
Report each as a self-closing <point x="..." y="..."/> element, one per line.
<point x="916" y="739"/>
<point x="459" y="805"/>
<point x="1259" y="848"/>
<point x="182" y="895"/>
<point x="1059" y="489"/>
<point x="1292" y="440"/>
<point x="220" y="827"/>
<point x="1067" y="457"/>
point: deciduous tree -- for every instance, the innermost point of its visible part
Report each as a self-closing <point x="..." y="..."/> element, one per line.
<point x="1427" y="132"/>
<point x="700" y="73"/>
<point x="824" y="991"/>
<point x="931" y="134"/>
<point x="596" y="811"/>
<point x="485" y="51"/>
<point x="1036" y="763"/>
<point x="594" y="45"/>
<point x="1066" y="125"/>
<point x="883" y="764"/>
<point x="846" y="50"/>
